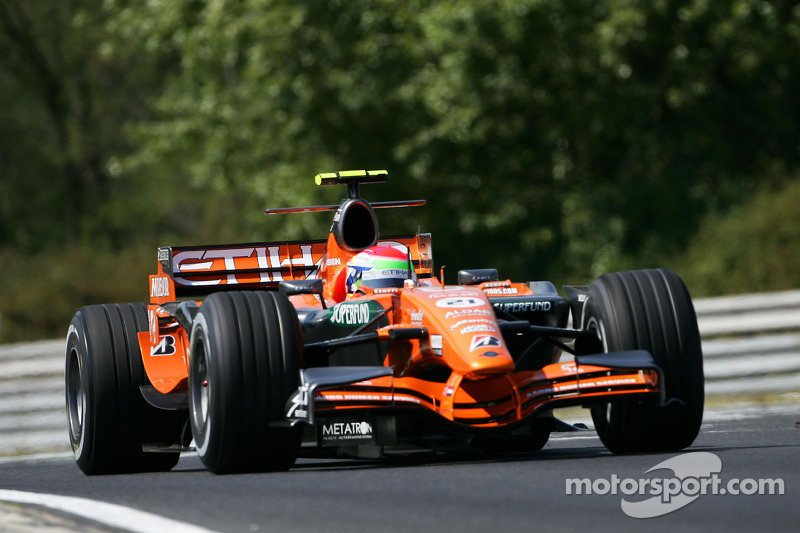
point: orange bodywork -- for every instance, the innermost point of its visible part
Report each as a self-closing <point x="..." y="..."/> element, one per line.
<point x="483" y="390"/>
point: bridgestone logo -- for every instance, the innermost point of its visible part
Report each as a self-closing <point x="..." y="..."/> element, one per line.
<point x="351" y="314"/>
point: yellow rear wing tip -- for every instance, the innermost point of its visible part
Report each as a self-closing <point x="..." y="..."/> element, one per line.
<point x="346" y="177"/>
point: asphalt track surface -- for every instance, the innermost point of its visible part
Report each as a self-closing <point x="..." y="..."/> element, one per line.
<point x="520" y="492"/>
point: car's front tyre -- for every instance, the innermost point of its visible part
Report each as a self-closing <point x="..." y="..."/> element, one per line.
<point x="246" y="352"/>
<point x="649" y="310"/>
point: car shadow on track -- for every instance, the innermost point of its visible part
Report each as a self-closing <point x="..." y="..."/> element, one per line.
<point x="452" y="459"/>
<point x="336" y="464"/>
<point x="191" y="464"/>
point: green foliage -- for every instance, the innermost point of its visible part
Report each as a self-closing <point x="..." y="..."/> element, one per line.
<point x="553" y="139"/>
<point x="40" y="293"/>
<point x="62" y="134"/>
<point x="751" y="248"/>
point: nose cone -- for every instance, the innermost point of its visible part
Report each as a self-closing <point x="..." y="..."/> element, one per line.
<point x="487" y="355"/>
<point x="471" y="339"/>
<point x="490" y="362"/>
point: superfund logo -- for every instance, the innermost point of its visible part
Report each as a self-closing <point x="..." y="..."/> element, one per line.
<point x="351" y="314"/>
<point x="524" y="307"/>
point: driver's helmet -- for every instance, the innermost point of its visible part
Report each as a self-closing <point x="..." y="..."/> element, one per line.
<point x="378" y="267"/>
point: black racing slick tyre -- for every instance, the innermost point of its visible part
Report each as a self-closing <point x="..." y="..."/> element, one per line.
<point x="246" y="352"/>
<point x="107" y="416"/>
<point x="649" y="310"/>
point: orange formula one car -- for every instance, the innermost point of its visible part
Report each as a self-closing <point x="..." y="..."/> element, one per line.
<point x="354" y="345"/>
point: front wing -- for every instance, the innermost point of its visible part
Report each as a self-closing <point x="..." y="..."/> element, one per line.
<point x="497" y="402"/>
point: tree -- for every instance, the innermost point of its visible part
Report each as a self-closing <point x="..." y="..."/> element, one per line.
<point x="554" y="139"/>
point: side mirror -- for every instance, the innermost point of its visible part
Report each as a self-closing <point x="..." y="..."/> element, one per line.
<point x="476" y="276"/>
<point x="302" y="286"/>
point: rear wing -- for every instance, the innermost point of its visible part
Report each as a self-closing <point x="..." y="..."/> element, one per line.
<point x="201" y="270"/>
<point x="196" y="271"/>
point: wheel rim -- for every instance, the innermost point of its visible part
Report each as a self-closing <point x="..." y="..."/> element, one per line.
<point x="597" y="328"/>
<point x="76" y="399"/>
<point x="201" y="388"/>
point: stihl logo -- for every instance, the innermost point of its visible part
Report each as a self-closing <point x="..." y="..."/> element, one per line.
<point x="230" y="260"/>
<point x="483" y="341"/>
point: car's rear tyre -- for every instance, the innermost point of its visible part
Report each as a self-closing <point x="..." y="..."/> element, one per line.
<point x="246" y="352"/>
<point x="108" y="419"/>
<point x="649" y="310"/>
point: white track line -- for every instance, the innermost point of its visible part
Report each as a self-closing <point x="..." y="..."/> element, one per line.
<point x="108" y="514"/>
